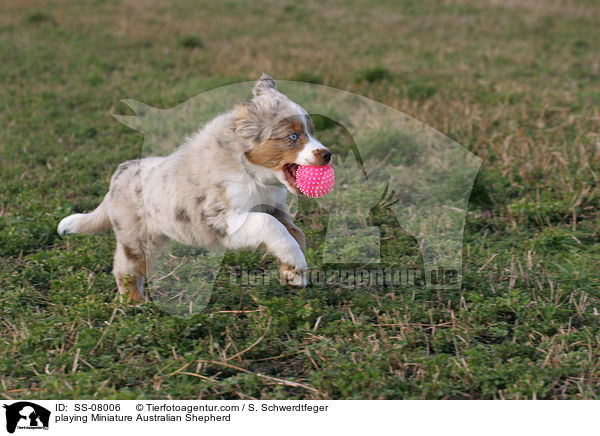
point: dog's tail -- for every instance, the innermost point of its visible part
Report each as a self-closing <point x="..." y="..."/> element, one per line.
<point x="86" y="223"/>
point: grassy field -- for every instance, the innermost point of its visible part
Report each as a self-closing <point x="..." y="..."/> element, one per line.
<point x="515" y="82"/>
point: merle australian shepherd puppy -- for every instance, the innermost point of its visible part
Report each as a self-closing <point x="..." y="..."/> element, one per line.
<point x="206" y="193"/>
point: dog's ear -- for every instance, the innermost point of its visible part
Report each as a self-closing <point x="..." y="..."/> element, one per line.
<point x="265" y="83"/>
<point x="246" y="121"/>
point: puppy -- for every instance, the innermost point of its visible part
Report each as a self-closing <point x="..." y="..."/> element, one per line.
<point x="225" y="186"/>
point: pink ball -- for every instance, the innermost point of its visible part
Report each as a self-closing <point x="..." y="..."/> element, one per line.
<point x="315" y="181"/>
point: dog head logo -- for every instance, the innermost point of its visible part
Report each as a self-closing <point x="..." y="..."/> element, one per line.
<point x="384" y="161"/>
<point x="26" y="415"/>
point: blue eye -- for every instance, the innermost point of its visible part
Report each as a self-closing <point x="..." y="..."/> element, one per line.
<point x="293" y="136"/>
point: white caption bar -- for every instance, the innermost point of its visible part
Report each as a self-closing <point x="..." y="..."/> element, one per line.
<point x="75" y="417"/>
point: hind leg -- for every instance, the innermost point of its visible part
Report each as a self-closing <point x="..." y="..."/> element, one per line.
<point x="129" y="270"/>
<point x="133" y="260"/>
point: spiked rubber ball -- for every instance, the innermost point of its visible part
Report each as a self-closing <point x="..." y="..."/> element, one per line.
<point x="315" y="181"/>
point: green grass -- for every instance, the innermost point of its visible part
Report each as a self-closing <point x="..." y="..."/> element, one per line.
<point x="517" y="85"/>
<point x="191" y="41"/>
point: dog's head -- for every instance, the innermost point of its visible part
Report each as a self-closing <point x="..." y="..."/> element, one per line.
<point x="279" y="134"/>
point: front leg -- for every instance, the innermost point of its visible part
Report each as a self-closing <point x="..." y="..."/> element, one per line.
<point x="257" y="228"/>
<point x="285" y="219"/>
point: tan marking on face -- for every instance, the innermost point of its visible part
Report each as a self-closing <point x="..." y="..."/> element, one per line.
<point x="276" y="152"/>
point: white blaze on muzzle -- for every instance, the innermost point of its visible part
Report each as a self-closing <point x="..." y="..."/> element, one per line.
<point x="307" y="155"/>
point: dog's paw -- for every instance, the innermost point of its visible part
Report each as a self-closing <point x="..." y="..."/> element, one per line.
<point x="126" y="300"/>
<point x="295" y="277"/>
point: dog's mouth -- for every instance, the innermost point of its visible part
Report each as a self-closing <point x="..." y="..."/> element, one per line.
<point x="289" y="171"/>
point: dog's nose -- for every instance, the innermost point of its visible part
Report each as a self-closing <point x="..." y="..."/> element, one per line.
<point x="325" y="155"/>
